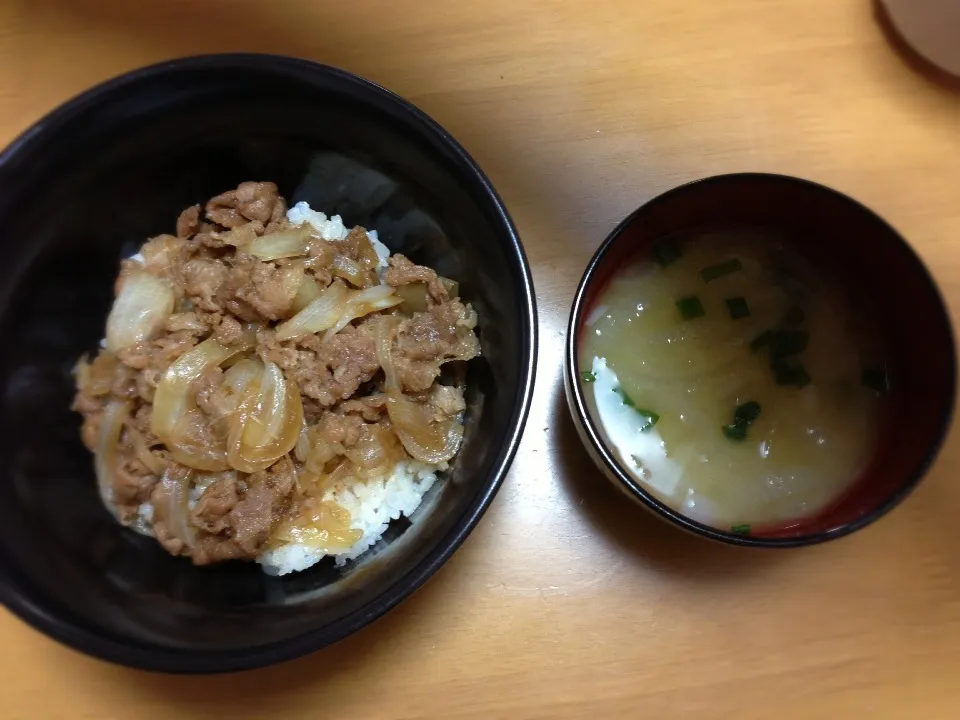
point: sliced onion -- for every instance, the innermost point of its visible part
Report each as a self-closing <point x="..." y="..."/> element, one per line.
<point x="375" y="450"/>
<point x="153" y="463"/>
<point x="193" y="445"/>
<point x="366" y="455"/>
<point x="97" y="377"/>
<point x="172" y="399"/>
<point x="141" y="308"/>
<point x="246" y="407"/>
<point x="203" y="458"/>
<point x="176" y="511"/>
<point x="241" y="374"/>
<point x="385" y="329"/>
<point x="349" y="470"/>
<point x="364" y="302"/>
<point x="346" y="470"/>
<point x="376" y="472"/>
<point x="350" y="271"/>
<point x="289" y="430"/>
<point x="452" y="286"/>
<point x="282" y="244"/>
<point x="414" y="297"/>
<point x="423" y="437"/>
<point x="308" y="483"/>
<point x="315" y="482"/>
<point x="323" y="524"/>
<point x="321" y="452"/>
<point x="291" y="277"/>
<point x="105" y="456"/>
<point x="319" y="315"/>
<point x="230" y="362"/>
<point x="307" y="291"/>
<point x="267" y="423"/>
<point x="302" y="449"/>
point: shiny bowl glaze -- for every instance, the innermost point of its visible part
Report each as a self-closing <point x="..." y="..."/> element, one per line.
<point x="82" y="189"/>
<point x="886" y="280"/>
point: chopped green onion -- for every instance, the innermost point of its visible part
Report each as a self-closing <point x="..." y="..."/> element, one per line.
<point x="736" y="431"/>
<point x="690" y="307"/>
<point x="588" y="377"/>
<point x="747" y="413"/>
<point x="783" y="344"/>
<point x="742" y="417"/>
<point x="666" y="251"/>
<point x="761" y="340"/>
<point x="790" y="284"/>
<point x="650" y="418"/>
<point x="793" y="374"/>
<point x="795" y="316"/>
<point x="713" y="272"/>
<point x="738" y="308"/>
<point x="875" y="379"/>
<point x="788" y="342"/>
<point x="742" y="529"/>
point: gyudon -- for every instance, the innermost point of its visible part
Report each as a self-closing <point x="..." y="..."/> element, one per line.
<point x="271" y="386"/>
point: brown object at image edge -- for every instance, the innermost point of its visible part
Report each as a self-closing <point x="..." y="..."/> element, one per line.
<point x="913" y="51"/>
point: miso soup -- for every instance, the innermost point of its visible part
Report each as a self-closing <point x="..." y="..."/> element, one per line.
<point x="732" y="381"/>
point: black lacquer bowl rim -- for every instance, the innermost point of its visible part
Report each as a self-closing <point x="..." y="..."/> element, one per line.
<point x="42" y="136"/>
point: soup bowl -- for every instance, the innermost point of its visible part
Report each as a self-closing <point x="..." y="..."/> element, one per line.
<point x="881" y="279"/>
<point x="83" y="188"/>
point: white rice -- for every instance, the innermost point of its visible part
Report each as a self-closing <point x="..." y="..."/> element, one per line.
<point x="333" y="229"/>
<point x="144" y="521"/>
<point x="373" y="503"/>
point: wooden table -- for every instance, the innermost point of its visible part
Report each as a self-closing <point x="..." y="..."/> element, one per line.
<point x="564" y="603"/>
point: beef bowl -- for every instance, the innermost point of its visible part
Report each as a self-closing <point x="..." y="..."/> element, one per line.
<point x="326" y="266"/>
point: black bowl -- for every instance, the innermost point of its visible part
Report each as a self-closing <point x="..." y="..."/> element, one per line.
<point x="885" y="282"/>
<point x="88" y="183"/>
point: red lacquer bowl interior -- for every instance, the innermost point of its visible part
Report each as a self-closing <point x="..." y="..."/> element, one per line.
<point x="885" y="282"/>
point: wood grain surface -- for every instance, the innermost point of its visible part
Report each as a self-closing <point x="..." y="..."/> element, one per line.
<point x="565" y="602"/>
